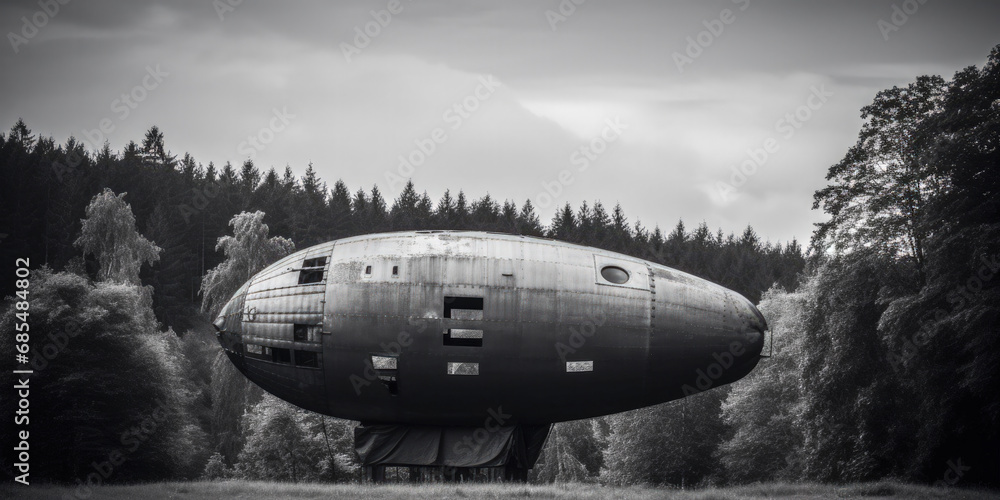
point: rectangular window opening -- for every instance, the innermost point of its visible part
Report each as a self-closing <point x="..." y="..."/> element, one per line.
<point x="463" y="337"/>
<point x="463" y="308"/>
<point x="368" y="269"/>
<point x="312" y="270"/>
<point x="579" y="366"/>
<point x="395" y="270"/>
<point x="308" y="359"/>
<point x="254" y="349"/>
<point x="315" y="262"/>
<point x="281" y="355"/>
<point x="387" y="369"/>
<point x="384" y="362"/>
<point x="457" y="368"/>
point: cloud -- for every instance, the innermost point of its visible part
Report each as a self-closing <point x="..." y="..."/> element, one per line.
<point x="354" y="119"/>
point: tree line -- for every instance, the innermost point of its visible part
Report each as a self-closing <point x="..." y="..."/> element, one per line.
<point x="182" y="237"/>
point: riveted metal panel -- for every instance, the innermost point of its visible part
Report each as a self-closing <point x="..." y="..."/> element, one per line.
<point x="638" y="272"/>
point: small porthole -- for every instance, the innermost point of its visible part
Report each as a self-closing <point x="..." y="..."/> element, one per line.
<point x="614" y="274"/>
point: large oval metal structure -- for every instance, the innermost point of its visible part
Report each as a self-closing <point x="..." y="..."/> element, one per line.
<point x="453" y="328"/>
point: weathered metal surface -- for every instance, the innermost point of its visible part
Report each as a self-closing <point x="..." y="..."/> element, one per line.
<point x="558" y="340"/>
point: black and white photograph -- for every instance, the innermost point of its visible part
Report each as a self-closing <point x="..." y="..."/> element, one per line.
<point x="563" y="249"/>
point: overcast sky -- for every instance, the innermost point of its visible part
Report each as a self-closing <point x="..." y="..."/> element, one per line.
<point x="663" y="119"/>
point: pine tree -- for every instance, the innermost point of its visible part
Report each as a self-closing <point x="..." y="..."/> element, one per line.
<point x="340" y="210"/>
<point x="528" y="222"/>
<point x="563" y="224"/>
<point x="403" y="214"/>
<point x="444" y="213"/>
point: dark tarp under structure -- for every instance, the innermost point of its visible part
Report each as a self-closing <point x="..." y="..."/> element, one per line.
<point x="424" y="445"/>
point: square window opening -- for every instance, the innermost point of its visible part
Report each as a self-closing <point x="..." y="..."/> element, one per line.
<point x="281" y="355"/>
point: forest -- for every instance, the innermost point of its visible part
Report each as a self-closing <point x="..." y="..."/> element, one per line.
<point x="885" y="327"/>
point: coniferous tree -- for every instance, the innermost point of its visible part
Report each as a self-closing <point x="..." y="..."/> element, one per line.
<point x="444" y="213"/>
<point x="377" y="214"/>
<point x="340" y="210"/>
<point x="403" y="214"/>
<point x="528" y="222"/>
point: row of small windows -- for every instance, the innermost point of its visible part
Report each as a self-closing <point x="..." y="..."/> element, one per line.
<point x="312" y="271"/>
<point x="391" y="364"/>
<point x="395" y="271"/>
<point x="387" y="367"/>
<point x="463" y="368"/>
<point x="306" y="359"/>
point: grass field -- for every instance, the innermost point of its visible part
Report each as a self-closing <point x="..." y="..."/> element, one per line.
<point x="226" y="490"/>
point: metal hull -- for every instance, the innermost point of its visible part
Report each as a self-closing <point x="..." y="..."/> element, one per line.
<point x="478" y="328"/>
